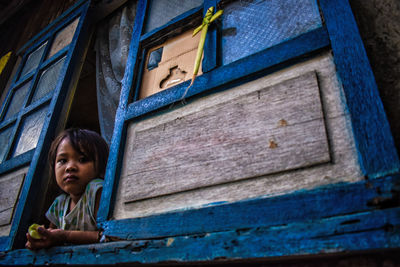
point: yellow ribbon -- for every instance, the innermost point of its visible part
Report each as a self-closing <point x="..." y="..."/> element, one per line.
<point x="3" y="61"/>
<point x="208" y="18"/>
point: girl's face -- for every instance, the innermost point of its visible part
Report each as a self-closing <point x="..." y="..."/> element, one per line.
<point x="72" y="169"/>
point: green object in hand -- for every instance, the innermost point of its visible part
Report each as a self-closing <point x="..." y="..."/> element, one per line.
<point x="33" y="231"/>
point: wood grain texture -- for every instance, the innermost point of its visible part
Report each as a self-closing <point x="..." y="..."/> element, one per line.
<point x="10" y="186"/>
<point x="270" y="130"/>
<point x="342" y="168"/>
<point x="9" y="191"/>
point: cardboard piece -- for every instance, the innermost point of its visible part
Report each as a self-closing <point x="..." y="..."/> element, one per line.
<point x="176" y="64"/>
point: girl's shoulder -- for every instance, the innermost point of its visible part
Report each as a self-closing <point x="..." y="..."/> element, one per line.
<point x="94" y="185"/>
<point x="57" y="208"/>
<point x="96" y="181"/>
<point x="60" y="199"/>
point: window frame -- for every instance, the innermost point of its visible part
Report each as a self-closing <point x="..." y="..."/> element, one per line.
<point x="376" y="151"/>
<point x="339" y="33"/>
<point x="55" y="101"/>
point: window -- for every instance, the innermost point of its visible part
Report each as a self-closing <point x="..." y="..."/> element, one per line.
<point x="270" y="69"/>
<point x="147" y="144"/>
<point x="288" y="34"/>
<point x="35" y="105"/>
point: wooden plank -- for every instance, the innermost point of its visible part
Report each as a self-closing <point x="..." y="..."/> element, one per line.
<point x="10" y="186"/>
<point x="342" y="168"/>
<point x="9" y="192"/>
<point x="270" y="130"/>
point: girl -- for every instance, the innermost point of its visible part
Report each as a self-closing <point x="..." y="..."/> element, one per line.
<point x="77" y="159"/>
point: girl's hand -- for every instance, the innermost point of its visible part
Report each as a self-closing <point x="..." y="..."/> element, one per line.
<point x="50" y="237"/>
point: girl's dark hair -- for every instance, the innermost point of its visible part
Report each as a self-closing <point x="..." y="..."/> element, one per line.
<point x="88" y="143"/>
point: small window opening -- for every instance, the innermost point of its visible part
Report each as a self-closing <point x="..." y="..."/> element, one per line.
<point x="82" y="114"/>
<point x="83" y="111"/>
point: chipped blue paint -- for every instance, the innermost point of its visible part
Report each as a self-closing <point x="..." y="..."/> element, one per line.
<point x="359" y="227"/>
<point x="297" y="206"/>
<point x="306" y="222"/>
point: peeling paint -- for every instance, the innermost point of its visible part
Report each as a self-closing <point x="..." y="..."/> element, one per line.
<point x="170" y="241"/>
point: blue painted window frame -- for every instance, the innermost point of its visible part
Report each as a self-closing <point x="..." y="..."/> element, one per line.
<point x="339" y="34"/>
<point x="36" y="158"/>
<point x="374" y="143"/>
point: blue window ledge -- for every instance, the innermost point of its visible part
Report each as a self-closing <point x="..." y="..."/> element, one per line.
<point x="339" y="218"/>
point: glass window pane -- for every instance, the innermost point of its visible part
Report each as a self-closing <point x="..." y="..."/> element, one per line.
<point x="29" y="132"/>
<point x="63" y="38"/>
<point x="5" y="136"/>
<point x="17" y="100"/>
<point x="250" y="26"/>
<point x="33" y="60"/>
<point x="162" y="11"/>
<point x="48" y="80"/>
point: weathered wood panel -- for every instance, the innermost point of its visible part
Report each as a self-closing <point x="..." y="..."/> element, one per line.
<point x="10" y="186"/>
<point x="269" y="130"/>
<point x="343" y="166"/>
<point x="305" y="44"/>
<point x="9" y="191"/>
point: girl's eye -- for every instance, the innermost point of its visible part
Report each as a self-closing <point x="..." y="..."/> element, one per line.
<point x="83" y="160"/>
<point x="61" y="161"/>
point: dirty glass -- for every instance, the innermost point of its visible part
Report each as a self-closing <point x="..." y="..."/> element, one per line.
<point x="63" y="38"/>
<point x="33" y="60"/>
<point x="48" y="80"/>
<point x="5" y="136"/>
<point x="29" y="132"/>
<point x="162" y="11"/>
<point x="17" y="100"/>
<point x="154" y="58"/>
<point x="250" y="26"/>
